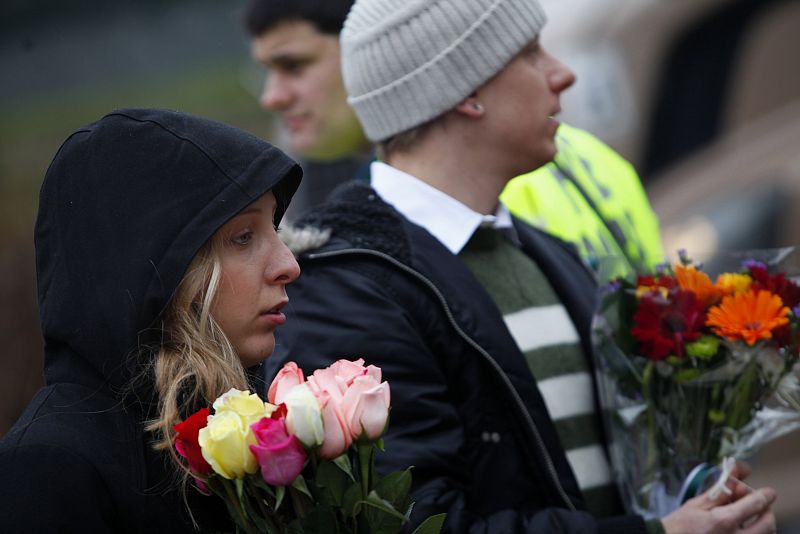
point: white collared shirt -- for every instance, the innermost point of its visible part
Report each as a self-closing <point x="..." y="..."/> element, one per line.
<point x="447" y="219"/>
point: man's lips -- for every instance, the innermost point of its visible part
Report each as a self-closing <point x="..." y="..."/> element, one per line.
<point x="294" y="122"/>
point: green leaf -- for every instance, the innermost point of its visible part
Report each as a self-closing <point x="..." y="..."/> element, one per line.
<point x="382" y="517"/>
<point x="716" y="416"/>
<point x="704" y="348"/>
<point x="351" y="502"/>
<point x="343" y="463"/>
<point x="432" y="525"/>
<point x="674" y="360"/>
<point x="333" y="479"/>
<point x="686" y="375"/>
<point x="395" y="488"/>
<point x="239" y="487"/>
<point x="321" y="520"/>
<point x="299" y="484"/>
<point x="280" y="493"/>
<point x="374" y="500"/>
<point x="261" y="483"/>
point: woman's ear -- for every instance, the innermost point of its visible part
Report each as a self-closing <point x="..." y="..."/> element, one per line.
<point x="471" y="107"/>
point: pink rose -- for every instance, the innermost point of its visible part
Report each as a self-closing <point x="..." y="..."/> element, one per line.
<point x="355" y="403"/>
<point x="336" y="378"/>
<point x="366" y="407"/>
<point x="348" y="371"/>
<point x="280" y="455"/>
<point x="337" y="434"/>
<point x="288" y="377"/>
<point x="327" y="381"/>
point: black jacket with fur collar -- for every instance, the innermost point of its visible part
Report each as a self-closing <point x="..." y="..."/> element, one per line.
<point x="466" y="411"/>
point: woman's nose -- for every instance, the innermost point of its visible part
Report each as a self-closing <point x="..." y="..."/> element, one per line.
<point x="285" y="269"/>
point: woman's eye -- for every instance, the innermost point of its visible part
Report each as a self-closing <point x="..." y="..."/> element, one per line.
<point x="242" y="238"/>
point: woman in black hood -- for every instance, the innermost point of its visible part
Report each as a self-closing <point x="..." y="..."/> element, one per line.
<point x="161" y="280"/>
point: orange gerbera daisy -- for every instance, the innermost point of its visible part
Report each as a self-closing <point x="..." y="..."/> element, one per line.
<point x="698" y="282"/>
<point x="748" y="316"/>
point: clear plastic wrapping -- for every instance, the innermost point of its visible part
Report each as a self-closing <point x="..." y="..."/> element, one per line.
<point x="691" y="371"/>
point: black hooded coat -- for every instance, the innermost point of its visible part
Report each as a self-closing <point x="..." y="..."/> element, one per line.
<point x="125" y="205"/>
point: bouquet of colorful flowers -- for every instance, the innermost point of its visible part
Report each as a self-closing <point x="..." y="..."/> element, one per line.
<point x="691" y="372"/>
<point x="304" y="462"/>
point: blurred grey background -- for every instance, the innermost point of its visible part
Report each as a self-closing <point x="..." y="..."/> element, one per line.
<point x="703" y="96"/>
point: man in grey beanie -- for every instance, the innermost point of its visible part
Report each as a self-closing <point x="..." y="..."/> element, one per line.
<point x="479" y="322"/>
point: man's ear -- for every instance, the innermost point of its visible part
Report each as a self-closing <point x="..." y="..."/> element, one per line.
<point x="471" y="107"/>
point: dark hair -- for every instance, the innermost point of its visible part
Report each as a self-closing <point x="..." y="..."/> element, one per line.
<point x="327" y="16"/>
<point x="403" y="141"/>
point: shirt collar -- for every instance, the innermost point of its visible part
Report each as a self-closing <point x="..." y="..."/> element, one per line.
<point x="447" y="219"/>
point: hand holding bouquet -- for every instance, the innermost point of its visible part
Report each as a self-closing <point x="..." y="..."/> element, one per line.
<point x="304" y="461"/>
<point x="691" y="371"/>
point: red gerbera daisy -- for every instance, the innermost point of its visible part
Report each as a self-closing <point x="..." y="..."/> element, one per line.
<point x="788" y="291"/>
<point x="664" y="326"/>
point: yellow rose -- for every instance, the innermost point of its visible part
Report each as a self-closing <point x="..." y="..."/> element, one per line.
<point x="225" y="441"/>
<point x="242" y="402"/>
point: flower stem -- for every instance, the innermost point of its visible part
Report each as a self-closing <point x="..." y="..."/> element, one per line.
<point x="651" y="457"/>
<point x="236" y="506"/>
<point x="364" y="462"/>
<point x="743" y="396"/>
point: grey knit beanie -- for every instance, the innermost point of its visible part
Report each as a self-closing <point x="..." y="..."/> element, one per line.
<point x="405" y="62"/>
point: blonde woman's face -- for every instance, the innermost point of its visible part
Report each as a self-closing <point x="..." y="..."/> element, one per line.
<point x="256" y="266"/>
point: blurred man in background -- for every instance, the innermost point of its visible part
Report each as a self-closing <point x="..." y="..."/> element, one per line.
<point x="297" y="42"/>
<point x="589" y="195"/>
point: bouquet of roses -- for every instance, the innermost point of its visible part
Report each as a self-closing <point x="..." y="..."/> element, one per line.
<point x="692" y="371"/>
<point x="304" y="461"/>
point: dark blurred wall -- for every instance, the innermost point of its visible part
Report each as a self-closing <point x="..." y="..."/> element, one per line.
<point x="65" y="64"/>
<point x="21" y="353"/>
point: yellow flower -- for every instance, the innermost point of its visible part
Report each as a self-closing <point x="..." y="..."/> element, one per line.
<point x="748" y="316"/>
<point x="242" y="402"/>
<point x="225" y="441"/>
<point x="646" y="290"/>
<point x="730" y="283"/>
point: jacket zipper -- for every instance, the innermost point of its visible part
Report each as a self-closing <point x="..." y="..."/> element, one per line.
<point x="520" y="404"/>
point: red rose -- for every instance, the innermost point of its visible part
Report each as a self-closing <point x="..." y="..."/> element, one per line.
<point x="186" y="441"/>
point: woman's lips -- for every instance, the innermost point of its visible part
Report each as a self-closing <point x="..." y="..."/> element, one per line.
<point x="275" y="315"/>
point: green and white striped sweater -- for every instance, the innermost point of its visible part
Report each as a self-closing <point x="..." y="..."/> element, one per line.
<point x="547" y="337"/>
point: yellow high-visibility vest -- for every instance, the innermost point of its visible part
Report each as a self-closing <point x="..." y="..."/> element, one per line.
<point x="592" y="197"/>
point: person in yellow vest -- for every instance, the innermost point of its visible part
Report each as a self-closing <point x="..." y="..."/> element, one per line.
<point x="589" y="195"/>
<point x="592" y="197"/>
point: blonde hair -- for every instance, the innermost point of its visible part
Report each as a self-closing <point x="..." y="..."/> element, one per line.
<point x="196" y="362"/>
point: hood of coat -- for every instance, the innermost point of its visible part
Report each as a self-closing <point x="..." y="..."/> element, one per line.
<point x="124" y="207"/>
